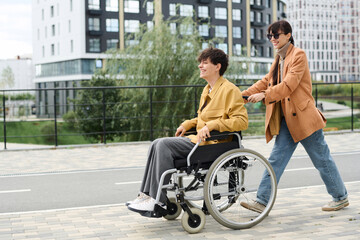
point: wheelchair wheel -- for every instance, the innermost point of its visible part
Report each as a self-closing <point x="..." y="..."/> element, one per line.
<point x="233" y="178"/>
<point x="193" y="226"/>
<point x="174" y="209"/>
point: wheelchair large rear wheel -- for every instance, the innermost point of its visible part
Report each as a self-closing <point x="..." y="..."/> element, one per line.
<point x="233" y="178"/>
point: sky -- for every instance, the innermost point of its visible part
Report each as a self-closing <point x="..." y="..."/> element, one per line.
<point x="15" y="28"/>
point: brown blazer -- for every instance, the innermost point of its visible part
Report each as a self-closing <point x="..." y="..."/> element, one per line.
<point x="295" y="93"/>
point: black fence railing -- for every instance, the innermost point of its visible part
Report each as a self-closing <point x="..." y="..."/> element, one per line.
<point x="84" y="115"/>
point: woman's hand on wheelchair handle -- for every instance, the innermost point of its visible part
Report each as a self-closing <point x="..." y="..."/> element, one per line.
<point x="203" y="134"/>
<point x="180" y="131"/>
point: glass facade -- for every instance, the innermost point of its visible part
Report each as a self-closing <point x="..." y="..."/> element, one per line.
<point x="72" y="67"/>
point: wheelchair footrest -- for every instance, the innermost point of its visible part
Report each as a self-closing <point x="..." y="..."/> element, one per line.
<point x="157" y="213"/>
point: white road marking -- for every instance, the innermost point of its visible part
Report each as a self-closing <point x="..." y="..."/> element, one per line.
<point x="16" y="191"/>
<point x="124" y="183"/>
<point x="299" y="169"/>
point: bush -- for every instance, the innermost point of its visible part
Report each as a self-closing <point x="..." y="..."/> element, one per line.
<point x="70" y="119"/>
<point x="49" y="131"/>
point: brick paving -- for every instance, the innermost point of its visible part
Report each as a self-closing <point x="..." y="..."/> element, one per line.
<point x="296" y="214"/>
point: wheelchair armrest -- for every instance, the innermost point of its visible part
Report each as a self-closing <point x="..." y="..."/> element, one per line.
<point x="216" y="135"/>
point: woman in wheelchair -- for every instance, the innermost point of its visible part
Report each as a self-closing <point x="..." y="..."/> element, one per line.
<point x="221" y="108"/>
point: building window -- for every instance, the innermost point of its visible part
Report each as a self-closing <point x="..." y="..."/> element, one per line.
<point x="252" y="16"/>
<point x="111" y="43"/>
<point x="237" y="32"/>
<point x="131" y="6"/>
<point x="220" y="31"/>
<point x="45" y="32"/>
<point x="222" y="46"/>
<point x="220" y="0"/>
<point x="259" y="17"/>
<point x="94" y="24"/>
<point x="42" y="14"/>
<point x="112" y="25"/>
<point x="258" y="2"/>
<point x="203" y="11"/>
<point x="268" y="19"/>
<point x="236" y="14"/>
<point x="173" y="28"/>
<point x="71" y="5"/>
<point x="237" y="49"/>
<point x="43" y="51"/>
<point x="71" y="46"/>
<point x="236" y="1"/>
<point x="94" y="45"/>
<point x="252" y="33"/>
<point x="253" y="53"/>
<point x="220" y="13"/>
<point x="69" y="26"/>
<point x="131" y="42"/>
<point x="186" y="10"/>
<point x="150" y="25"/>
<point x="94" y="4"/>
<point x="204" y="30"/>
<point x="112" y="5"/>
<point x="52" y="50"/>
<point x="52" y="11"/>
<point x="186" y="29"/>
<point x="172" y="9"/>
<point x="53" y="30"/>
<point x="38" y="34"/>
<point x="132" y="26"/>
<point x="150" y="8"/>
<point x="58" y="48"/>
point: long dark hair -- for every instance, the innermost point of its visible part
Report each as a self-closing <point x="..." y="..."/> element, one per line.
<point x="275" y="27"/>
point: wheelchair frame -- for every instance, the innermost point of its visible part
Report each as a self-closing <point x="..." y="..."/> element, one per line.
<point x="193" y="219"/>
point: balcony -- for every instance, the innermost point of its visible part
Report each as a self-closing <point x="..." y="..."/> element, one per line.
<point x="257" y="7"/>
<point x="95" y="33"/>
<point x="95" y="11"/>
<point x="258" y="24"/>
<point x="258" y="41"/>
<point x="204" y="1"/>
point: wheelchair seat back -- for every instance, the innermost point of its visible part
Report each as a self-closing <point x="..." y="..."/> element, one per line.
<point x="206" y="155"/>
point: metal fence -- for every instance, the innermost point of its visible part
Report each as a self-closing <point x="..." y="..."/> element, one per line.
<point x="69" y="116"/>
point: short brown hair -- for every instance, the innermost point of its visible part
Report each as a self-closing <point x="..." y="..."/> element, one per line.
<point x="216" y="56"/>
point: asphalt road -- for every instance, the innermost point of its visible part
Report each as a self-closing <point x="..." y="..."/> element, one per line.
<point x="22" y="193"/>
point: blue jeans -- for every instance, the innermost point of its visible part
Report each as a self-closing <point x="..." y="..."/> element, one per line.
<point x="319" y="153"/>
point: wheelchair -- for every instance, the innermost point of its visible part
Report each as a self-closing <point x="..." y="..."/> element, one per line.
<point x="214" y="180"/>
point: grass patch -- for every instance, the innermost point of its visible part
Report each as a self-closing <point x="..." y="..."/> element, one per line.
<point x="32" y="132"/>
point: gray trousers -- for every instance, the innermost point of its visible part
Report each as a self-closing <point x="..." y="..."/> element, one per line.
<point x="161" y="155"/>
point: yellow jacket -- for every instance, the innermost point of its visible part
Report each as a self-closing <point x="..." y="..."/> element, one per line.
<point x="224" y="111"/>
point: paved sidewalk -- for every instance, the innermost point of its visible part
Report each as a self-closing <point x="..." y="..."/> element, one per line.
<point x="296" y="214"/>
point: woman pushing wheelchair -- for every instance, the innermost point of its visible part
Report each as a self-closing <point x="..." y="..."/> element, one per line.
<point x="221" y="108"/>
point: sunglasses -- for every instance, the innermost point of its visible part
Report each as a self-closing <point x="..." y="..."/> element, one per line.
<point x="276" y="36"/>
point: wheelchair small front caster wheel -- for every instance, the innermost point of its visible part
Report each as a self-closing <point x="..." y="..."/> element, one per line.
<point x="174" y="209"/>
<point x="193" y="226"/>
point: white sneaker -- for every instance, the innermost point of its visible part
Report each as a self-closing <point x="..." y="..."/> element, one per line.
<point x="145" y="206"/>
<point x="141" y="197"/>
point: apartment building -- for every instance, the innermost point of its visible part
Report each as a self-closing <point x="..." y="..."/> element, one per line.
<point x="70" y="37"/>
<point x="315" y="29"/>
<point x="349" y="37"/>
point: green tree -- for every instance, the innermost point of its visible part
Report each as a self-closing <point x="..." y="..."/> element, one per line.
<point x="91" y="105"/>
<point x="159" y="56"/>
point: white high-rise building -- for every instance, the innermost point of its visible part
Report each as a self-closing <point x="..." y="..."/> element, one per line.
<point x="349" y="37"/>
<point x="315" y="29"/>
